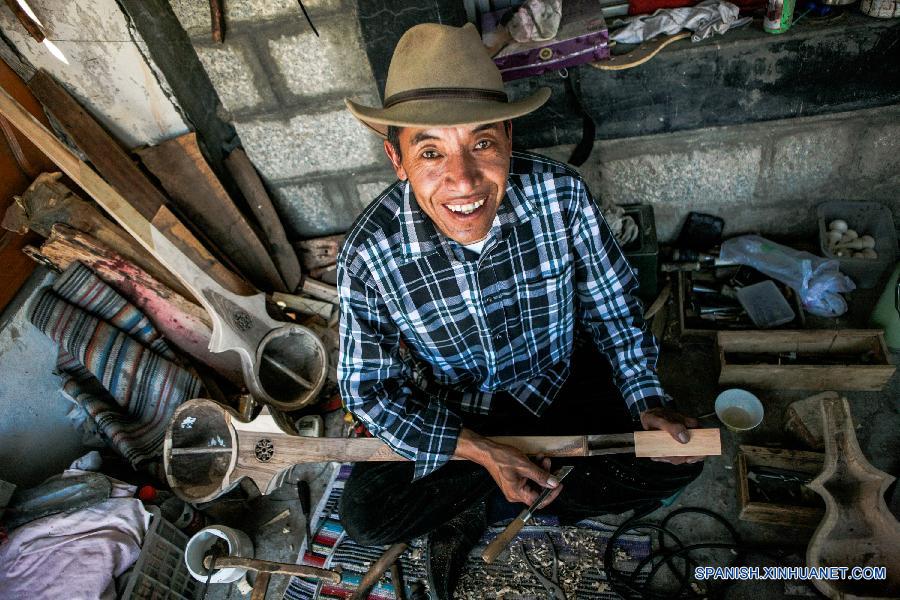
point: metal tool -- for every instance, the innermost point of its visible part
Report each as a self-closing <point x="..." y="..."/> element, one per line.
<point x="499" y="543"/>
<point x="551" y="584"/>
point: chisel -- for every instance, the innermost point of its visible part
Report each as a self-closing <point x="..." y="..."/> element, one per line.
<point x="499" y="543"/>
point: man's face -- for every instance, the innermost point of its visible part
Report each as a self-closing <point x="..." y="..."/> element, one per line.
<point x="458" y="175"/>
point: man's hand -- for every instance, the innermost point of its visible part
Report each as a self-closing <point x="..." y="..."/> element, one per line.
<point x="518" y="477"/>
<point x="676" y="424"/>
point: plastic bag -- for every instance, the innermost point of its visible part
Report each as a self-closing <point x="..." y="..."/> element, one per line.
<point x="817" y="281"/>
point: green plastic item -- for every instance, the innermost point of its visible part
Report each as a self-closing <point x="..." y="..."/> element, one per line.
<point x="887" y="312"/>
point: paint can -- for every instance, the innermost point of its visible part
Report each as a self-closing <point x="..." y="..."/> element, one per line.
<point x="779" y="14"/>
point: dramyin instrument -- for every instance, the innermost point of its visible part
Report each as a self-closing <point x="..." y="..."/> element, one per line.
<point x="207" y="450"/>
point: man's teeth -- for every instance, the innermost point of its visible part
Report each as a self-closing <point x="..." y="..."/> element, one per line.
<point x="466" y="208"/>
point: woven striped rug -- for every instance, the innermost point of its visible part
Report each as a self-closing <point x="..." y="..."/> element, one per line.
<point x="116" y="365"/>
<point x="580" y="549"/>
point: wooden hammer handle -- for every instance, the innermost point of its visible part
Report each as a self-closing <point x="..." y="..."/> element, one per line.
<point x="499" y="543"/>
<point x="266" y="566"/>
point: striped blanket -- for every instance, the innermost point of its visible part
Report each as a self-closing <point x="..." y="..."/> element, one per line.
<point x="580" y="551"/>
<point x="115" y="364"/>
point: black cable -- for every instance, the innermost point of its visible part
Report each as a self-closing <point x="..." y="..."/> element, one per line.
<point x="626" y="584"/>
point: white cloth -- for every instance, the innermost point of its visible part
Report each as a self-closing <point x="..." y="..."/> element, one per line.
<point x="75" y="555"/>
<point x="476" y="246"/>
<point x="704" y="19"/>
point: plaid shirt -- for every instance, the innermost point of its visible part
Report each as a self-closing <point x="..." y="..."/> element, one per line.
<point x="430" y="329"/>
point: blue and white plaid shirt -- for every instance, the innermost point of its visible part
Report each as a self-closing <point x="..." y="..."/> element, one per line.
<point x="429" y="329"/>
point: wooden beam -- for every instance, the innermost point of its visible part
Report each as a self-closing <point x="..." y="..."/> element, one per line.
<point x="194" y="188"/>
<point x="248" y="181"/>
<point x="142" y="198"/>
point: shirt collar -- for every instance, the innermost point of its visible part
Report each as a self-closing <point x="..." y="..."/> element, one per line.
<point x="420" y="236"/>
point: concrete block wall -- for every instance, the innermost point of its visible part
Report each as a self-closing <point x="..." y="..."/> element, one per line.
<point x="763" y="177"/>
<point x="283" y="88"/>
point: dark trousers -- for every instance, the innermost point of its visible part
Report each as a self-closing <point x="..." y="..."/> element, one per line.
<point x="382" y="505"/>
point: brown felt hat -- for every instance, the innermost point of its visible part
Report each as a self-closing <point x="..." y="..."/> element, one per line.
<point x="441" y="76"/>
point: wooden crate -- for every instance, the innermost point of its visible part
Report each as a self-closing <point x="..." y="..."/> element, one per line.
<point x="758" y="511"/>
<point x="687" y="330"/>
<point x="767" y="374"/>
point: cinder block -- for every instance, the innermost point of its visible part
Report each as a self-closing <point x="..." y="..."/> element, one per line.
<point x="314" y="209"/>
<point x="701" y="180"/>
<point x="367" y="192"/>
<point x="231" y="70"/>
<point x="316" y="143"/>
<point x="334" y="62"/>
<point x="194" y="14"/>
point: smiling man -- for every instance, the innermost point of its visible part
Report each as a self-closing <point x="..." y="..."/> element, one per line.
<point x="483" y="294"/>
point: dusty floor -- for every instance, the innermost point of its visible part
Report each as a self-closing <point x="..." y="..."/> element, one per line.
<point x="689" y="370"/>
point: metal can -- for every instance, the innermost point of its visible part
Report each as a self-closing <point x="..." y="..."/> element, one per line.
<point x="779" y="14"/>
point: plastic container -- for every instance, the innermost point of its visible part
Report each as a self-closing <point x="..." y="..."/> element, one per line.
<point x="239" y="544"/>
<point x="159" y="571"/>
<point x="765" y="304"/>
<point x="739" y="410"/>
<point x="887" y="312"/>
<point x="867" y="218"/>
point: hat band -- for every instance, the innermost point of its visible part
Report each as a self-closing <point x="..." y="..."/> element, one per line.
<point x="445" y="94"/>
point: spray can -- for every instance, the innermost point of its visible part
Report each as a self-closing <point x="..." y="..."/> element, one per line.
<point x="779" y="14"/>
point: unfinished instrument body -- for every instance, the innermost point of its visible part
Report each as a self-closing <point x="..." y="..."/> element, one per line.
<point x="858" y="530"/>
<point x="207" y="451"/>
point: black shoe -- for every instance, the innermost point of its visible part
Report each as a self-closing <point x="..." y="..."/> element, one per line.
<point x="448" y="547"/>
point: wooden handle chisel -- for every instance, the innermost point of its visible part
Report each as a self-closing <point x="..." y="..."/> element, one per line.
<point x="499" y="543"/>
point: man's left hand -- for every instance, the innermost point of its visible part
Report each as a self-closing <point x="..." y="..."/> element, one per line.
<point x="676" y="424"/>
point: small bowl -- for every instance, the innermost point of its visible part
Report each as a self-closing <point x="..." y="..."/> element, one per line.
<point x="739" y="410"/>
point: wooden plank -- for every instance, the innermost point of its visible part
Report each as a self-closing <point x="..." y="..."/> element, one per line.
<point x="839" y="341"/>
<point x="275" y="240"/>
<point x="267" y="566"/>
<point x="116" y="166"/>
<point x="319" y="252"/>
<point x="48" y="201"/>
<point x="319" y="290"/>
<point x="870" y="378"/>
<point x="180" y="321"/>
<point x="14" y="178"/>
<point x="655" y="444"/>
<point x="182" y="170"/>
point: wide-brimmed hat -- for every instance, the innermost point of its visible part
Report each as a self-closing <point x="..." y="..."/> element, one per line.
<point x="441" y="76"/>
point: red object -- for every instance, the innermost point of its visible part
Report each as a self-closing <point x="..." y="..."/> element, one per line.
<point x="645" y="7"/>
<point x="147" y="493"/>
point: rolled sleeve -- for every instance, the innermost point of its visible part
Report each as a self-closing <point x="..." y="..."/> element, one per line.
<point x="608" y="307"/>
<point x="376" y="385"/>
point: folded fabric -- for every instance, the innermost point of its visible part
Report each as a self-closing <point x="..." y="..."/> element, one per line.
<point x="75" y="555"/>
<point x="117" y="366"/>
<point x="704" y="19"/>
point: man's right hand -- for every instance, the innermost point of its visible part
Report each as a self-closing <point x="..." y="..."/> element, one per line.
<point x="519" y="478"/>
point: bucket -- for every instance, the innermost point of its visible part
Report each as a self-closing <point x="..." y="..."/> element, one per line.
<point x="239" y="544"/>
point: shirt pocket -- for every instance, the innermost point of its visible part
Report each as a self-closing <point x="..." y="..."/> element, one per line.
<point x="545" y="299"/>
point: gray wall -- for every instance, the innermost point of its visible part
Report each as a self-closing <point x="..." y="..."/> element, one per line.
<point x="763" y="177"/>
<point x="283" y="90"/>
